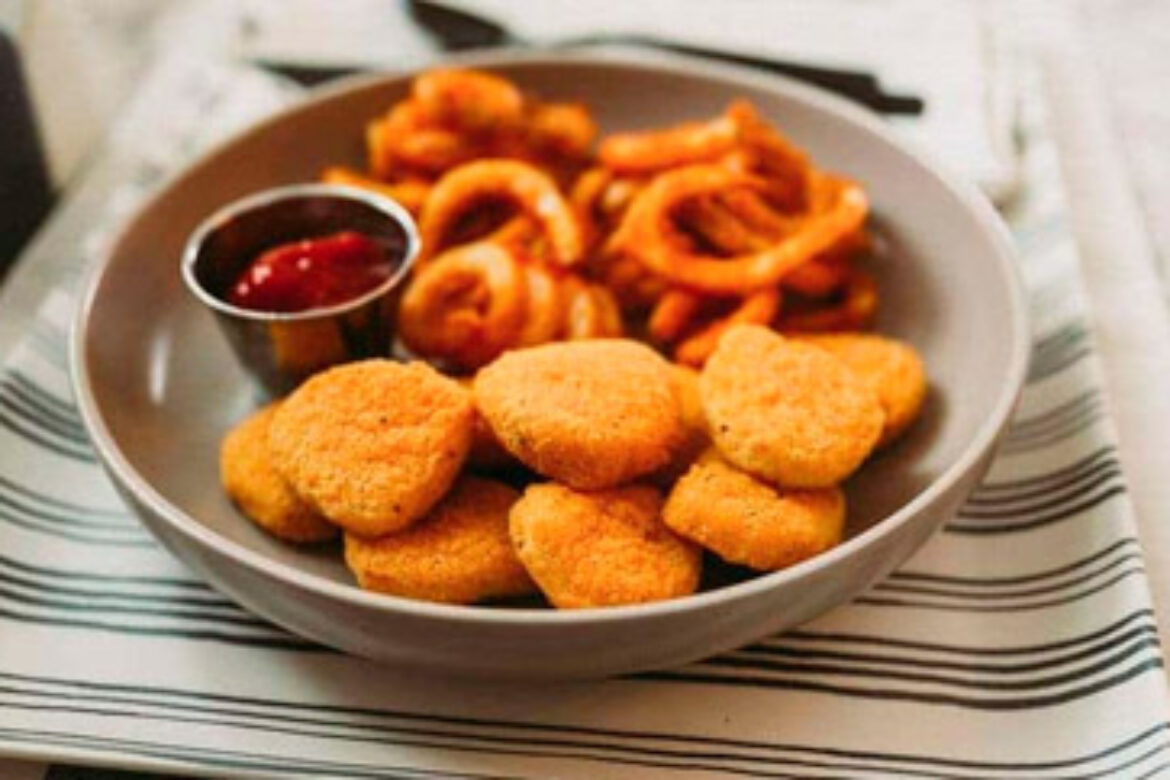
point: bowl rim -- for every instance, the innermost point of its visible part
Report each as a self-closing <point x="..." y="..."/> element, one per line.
<point x="978" y="207"/>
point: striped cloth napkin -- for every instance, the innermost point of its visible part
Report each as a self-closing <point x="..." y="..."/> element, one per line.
<point x="1019" y="642"/>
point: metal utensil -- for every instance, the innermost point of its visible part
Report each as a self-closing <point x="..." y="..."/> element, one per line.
<point x="280" y="349"/>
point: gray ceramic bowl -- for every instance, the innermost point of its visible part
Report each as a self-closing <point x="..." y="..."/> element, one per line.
<point x="158" y="385"/>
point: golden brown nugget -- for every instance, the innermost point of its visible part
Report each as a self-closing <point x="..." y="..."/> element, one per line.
<point x="746" y="521"/>
<point x="787" y="411"/>
<point x="591" y="414"/>
<point x="459" y="553"/>
<point x="601" y="549"/>
<point x="486" y="453"/>
<point x="245" y="468"/>
<point x="892" y="368"/>
<point x="696" y="438"/>
<point x="373" y="445"/>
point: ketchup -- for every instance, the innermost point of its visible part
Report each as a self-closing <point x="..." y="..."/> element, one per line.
<point x="313" y="273"/>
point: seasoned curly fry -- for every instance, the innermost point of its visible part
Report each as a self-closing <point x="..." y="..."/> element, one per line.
<point x="784" y="166"/>
<point x="531" y="190"/>
<point x="562" y="129"/>
<point x="757" y="309"/>
<point x="545" y="310"/>
<point x="466" y="307"/>
<point x="468" y="100"/>
<point x="592" y="312"/>
<point x="819" y="277"/>
<point x="854" y="312"/>
<point x="585" y="197"/>
<point x="719" y="228"/>
<point x="690" y="142"/>
<point x="645" y="234"/>
<point x="672" y="315"/>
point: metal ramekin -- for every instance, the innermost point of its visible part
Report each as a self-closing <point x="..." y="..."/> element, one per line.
<point x="279" y="349"/>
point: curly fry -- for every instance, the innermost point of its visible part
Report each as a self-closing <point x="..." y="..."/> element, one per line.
<point x="562" y="129"/>
<point x="517" y="232"/>
<point x="584" y="197"/>
<point x="672" y="315"/>
<point x="545" y="311"/>
<point x="759" y="308"/>
<point x="855" y="311"/>
<point x="718" y="227"/>
<point x="785" y="167"/>
<point x="636" y="288"/>
<point x="527" y="187"/>
<point x="619" y="195"/>
<point x="753" y="210"/>
<point x="684" y="144"/>
<point x="818" y="278"/>
<point x="645" y="232"/>
<point x="466" y="306"/>
<point x="592" y="312"/>
<point x="468" y="100"/>
<point x="409" y="193"/>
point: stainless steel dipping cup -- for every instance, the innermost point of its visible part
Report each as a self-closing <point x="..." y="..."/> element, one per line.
<point x="281" y="349"/>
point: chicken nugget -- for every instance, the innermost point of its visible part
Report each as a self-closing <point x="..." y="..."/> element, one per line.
<point x="696" y="438"/>
<point x="486" y="453"/>
<point x="787" y="411"/>
<point x="245" y="468"/>
<point x="591" y="414"/>
<point x="601" y="549"/>
<point x="749" y="522"/>
<point x="892" y="368"/>
<point x="459" y="553"/>
<point x="373" y="445"/>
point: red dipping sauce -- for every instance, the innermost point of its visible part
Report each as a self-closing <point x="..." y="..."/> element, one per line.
<point x="313" y="274"/>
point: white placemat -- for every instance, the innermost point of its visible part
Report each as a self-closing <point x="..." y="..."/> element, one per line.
<point x="1019" y="643"/>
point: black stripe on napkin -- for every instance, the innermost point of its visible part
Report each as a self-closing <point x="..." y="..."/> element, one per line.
<point x="30" y="429"/>
<point x="530" y="739"/>
<point x="1014" y="524"/>
<point x="1046" y="485"/>
<point x="1049" y="581"/>
<point x="1044" y="478"/>
<point x="20" y="400"/>
<point x="30" y="510"/>
<point x="1056" y="352"/>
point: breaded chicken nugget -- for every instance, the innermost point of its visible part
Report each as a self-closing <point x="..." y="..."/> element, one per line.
<point x="591" y="414"/>
<point x="892" y="368"/>
<point x="245" y="468"/>
<point x="696" y="439"/>
<point x="746" y="521"/>
<point x="601" y="549"/>
<point x="486" y="454"/>
<point x="373" y="445"/>
<point x="787" y="411"/>
<point x="459" y="553"/>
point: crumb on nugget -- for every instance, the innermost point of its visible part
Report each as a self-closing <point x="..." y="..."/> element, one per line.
<point x="748" y="522"/>
<point x="601" y="549"/>
<point x="373" y="445"/>
<point x="591" y="414"/>
<point x="459" y="553"/>
<point x="892" y="368"/>
<point x="260" y="492"/>
<point x="787" y="411"/>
